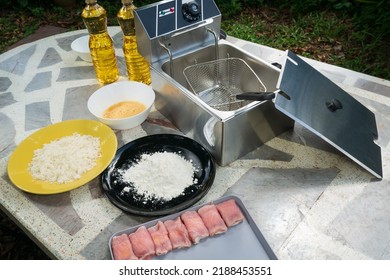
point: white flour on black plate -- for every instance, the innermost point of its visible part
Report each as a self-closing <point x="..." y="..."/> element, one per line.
<point x="161" y="175"/>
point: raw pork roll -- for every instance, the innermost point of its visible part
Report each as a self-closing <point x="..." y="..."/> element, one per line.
<point x="178" y="233"/>
<point x="142" y="243"/>
<point x="212" y="219"/>
<point x="160" y="237"/>
<point x="195" y="226"/>
<point x="121" y="248"/>
<point x="230" y="212"/>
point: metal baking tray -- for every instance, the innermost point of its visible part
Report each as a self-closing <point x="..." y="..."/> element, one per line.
<point x="240" y="242"/>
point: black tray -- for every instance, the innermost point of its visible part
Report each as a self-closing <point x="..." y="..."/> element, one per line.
<point x="130" y="153"/>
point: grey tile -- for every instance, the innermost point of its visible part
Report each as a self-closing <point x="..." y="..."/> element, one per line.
<point x="121" y="65"/>
<point x="118" y="40"/>
<point x="364" y="223"/>
<point x="76" y="99"/>
<point x="372" y="86"/>
<point x="37" y="115"/>
<point x="16" y="64"/>
<point x="5" y="83"/>
<point x="51" y="57"/>
<point x="59" y="208"/>
<point x="76" y="73"/>
<point x="265" y="152"/>
<point x="7" y="132"/>
<point x="334" y="76"/>
<point x="6" y="99"/>
<point x="39" y="81"/>
<point x="283" y="197"/>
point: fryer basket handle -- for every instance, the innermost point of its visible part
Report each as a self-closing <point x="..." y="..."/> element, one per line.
<point x="257" y="96"/>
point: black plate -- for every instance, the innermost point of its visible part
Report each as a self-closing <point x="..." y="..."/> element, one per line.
<point x="130" y="153"/>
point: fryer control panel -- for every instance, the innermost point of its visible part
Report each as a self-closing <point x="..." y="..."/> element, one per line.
<point x="165" y="17"/>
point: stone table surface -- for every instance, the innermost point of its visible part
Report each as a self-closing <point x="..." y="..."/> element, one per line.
<point x="309" y="200"/>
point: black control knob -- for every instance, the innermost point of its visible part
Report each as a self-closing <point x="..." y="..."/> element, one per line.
<point x="191" y="11"/>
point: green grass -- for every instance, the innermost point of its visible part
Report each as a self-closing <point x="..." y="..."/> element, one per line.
<point x="322" y="35"/>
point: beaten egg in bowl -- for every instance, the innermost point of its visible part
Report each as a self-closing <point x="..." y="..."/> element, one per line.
<point x="122" y="105"/>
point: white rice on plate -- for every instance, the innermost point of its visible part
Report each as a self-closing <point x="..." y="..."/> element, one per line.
<point x="65" y="159"/>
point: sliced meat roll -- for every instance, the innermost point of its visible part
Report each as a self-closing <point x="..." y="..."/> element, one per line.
<point x="121" y="248"/>
<point x="142" y="243"/>
<point x="177" y="233"/>
<point x="212" y="219"/>
<point x="160" y="237"/>
<point x="195" y="226"/>
<point x="230" y="212"/>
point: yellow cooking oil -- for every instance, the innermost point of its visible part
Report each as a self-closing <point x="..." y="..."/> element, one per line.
<point x="137" y="67"/>
<point x="100" y="43"/>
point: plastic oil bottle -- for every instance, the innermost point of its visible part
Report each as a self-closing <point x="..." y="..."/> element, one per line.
<point x="100" y="43"/>
<point x="137" y="67"/>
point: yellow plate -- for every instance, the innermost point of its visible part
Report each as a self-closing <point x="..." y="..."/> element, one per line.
<point x="21" y="157"/>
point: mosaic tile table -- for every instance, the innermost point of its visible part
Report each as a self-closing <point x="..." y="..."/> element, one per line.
<point x="309" y="201"/>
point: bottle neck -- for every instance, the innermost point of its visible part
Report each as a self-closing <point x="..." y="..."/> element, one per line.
<point x="92" y="5"/>
<point x="125" y="18"/>
<point x="95" y="18"/>
<point x="127" y="2"/>
<point x="129" y="6"/>
<point x="93" y="9"/>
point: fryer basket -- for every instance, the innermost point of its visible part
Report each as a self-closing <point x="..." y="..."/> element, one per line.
<point x="218" y="82"/>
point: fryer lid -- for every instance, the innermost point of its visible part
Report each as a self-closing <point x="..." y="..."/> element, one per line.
<point x="328" y="111"/>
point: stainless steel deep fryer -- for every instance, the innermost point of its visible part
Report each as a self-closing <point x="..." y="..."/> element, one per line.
<point x="178" y="35"/>
<point x="173" y="35"/>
